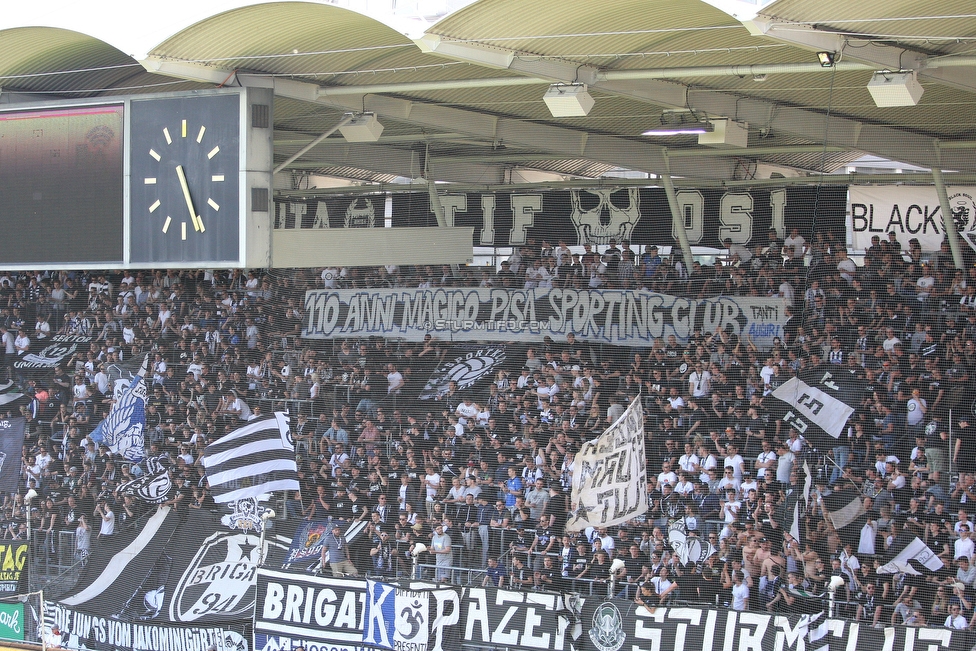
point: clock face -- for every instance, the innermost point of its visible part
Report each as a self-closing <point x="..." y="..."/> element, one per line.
<point x="184" y="165"/>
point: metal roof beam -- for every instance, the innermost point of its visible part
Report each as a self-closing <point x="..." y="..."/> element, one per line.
<point x="575" y="144"/>
<point x="880" y="56"/>
<point x="393" y="160"/>
<point x="553" y="70"/>
<point x="837" y="131"/>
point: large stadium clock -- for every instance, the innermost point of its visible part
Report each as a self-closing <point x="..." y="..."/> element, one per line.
<point x="185" y="167"/>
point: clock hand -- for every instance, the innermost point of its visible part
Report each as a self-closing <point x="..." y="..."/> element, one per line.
<point x="197" y="221"/>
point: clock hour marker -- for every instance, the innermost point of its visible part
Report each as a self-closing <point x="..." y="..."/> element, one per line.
<point x="217" y="178"/>
<point x="152" y="152"/>
<point x="213" y="152"/>
<point x="202" y="229"/>
<point x="184" y="230"/>
<point x="200" y="135"/>
<point x="150" y="180"/>
<point x="155" y="204"/>
<point x="196" y="222"/>
<point x="167" y="223"/>
<point x="184" y="128"/>
<point x="169" y="139"/>
<point x="213" y="204"/>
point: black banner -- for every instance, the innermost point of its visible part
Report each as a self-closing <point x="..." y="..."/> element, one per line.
<point x="324" y="613"/>
<point x="84" y="631"/>
<point x="641" y="215"/>
<point x="175" y="569"/>
<point x="13" y="558"/>
<point x="467" y="365"/>
<point x="331" y="212"/>
<point x="11" y="448"/>
<point x="614" y="625"/>
<point x="45" y="354"/>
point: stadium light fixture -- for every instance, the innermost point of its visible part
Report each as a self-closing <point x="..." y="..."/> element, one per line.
<point x="568" y="100"/>
<point x="362" y="127"/>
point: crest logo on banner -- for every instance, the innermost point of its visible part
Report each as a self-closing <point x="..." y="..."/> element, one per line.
<point x="360" y="215"/>
<point x="233" y="641"/>
<point x="688" y="548"/>
<point x="602" y="215"/>
<point x="963" y="210"/>
<point x="220" y="579"/>
<point x="467" y="368"/>
<point x="61" y="348"/>
<point x="245" y="514"/>
<point x="607" y="632"/>
<point x="411" y="621"/>
<point x="153" y="486"/>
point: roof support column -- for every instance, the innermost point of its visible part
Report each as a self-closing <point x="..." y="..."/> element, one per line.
<point x="947" y="221"/>
<point x="676" y="217"/>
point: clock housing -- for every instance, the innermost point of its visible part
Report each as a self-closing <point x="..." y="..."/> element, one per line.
<point x="199" y="138"/>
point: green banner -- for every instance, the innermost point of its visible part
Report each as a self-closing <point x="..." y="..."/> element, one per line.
<point x="12" y="621"/>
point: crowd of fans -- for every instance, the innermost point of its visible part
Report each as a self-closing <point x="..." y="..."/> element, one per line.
<point x="481" y="477"/>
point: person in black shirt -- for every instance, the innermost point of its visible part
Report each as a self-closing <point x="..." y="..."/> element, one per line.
<point x="521" y="576"/>
<point x="633" y="566"/>
<point x="598" y="570"/>
<point x="546" y="577"/>
<point x="869" y="603"/>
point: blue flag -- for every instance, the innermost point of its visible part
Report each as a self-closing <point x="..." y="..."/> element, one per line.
<point x="124" y="426"/>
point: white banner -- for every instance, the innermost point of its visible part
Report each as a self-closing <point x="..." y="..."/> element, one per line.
<point x="911" y="212"/>
<point x="624" y="317"/>
<point x="609" y="478"/>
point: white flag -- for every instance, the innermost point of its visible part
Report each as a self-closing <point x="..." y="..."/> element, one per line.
<point x="609" y="474"/>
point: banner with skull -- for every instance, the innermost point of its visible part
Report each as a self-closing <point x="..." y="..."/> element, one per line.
<point x="641" y="215"/>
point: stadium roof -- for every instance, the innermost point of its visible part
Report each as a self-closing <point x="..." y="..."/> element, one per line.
<point x="459" y="85"/>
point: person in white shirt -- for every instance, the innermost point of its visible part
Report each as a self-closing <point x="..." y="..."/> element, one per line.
<point x="738" y="253"/>
<point x="766" y="461"/>
<point x="467" y="411"/>
<point x="730" y="506"/>
<point x="955" y="619"/>
<point x="925" y="283"/>
<point x="22" y="343"/>
<point x="689" y="460"/>
<point x="735" y="461"/>
<point x="104" y="511"/>
<point x="728" y="482"/>
<point x="846" y="266"/>
<point x="8" y="342"/>
<point x="684" y="487"/>
<point x="667" y="476"/>
<point x="963" y="547"/>
<point x="740" y="592"/>
<point x="700" y="382"/>
<point x="707" y="461"/>
<point x="795" y="244"/>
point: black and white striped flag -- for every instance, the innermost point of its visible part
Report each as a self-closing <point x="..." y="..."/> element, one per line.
<point x="255" y="459"/>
